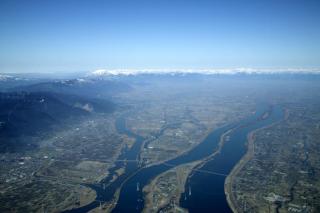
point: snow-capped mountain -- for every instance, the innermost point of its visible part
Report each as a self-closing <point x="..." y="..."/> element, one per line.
<point x="6" y="77"/>
<point x="227" y="71"/>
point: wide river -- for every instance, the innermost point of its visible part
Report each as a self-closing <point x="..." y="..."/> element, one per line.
<point x="204" y="191"/>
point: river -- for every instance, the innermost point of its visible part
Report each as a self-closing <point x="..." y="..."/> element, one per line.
<point x="131" y="199"/>
<point x="128" y="159"/>
<point x="207" y="190"/>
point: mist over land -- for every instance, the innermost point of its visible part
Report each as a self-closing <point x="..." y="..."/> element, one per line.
<point x="73" y="138"/>
<point x="160" y="106"/>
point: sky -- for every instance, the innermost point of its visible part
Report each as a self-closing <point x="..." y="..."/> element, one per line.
<point x="75" y="35"/>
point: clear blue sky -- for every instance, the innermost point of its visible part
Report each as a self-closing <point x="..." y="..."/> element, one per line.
<point x="67" y="35"/>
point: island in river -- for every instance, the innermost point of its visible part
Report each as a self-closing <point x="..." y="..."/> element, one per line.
<point x="154" y="129"/>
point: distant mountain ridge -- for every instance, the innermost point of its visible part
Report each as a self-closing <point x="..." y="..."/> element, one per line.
<point x="33" y="113"/>
<point x="226" y="71"/>
<point x="93" y="88"/>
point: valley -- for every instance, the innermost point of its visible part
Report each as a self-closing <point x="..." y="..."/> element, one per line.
<point x="85" y="150"/>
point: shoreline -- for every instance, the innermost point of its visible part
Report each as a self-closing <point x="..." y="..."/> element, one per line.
<point x="148" y="190"/>
<point x="243" y="161"/>
<point x="207" y="133"/>
<point x="221" y="143"/>
<point x="199" y="164"/>
<point x="202" y="162"/>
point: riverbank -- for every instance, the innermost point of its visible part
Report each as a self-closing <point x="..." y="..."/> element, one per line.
<point x="230" y="178"/>
<point x="131" y="199"/>
<point x="238" y="167"/>
<point x="83" y="196"/>
<point x="165" y="190"/>
<point x="152" y="190"/>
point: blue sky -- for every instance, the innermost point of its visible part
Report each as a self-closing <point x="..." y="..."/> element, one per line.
<point x="67" y="35"/>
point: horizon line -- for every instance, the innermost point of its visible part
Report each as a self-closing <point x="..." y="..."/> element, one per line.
<point x="208" y="71"/>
